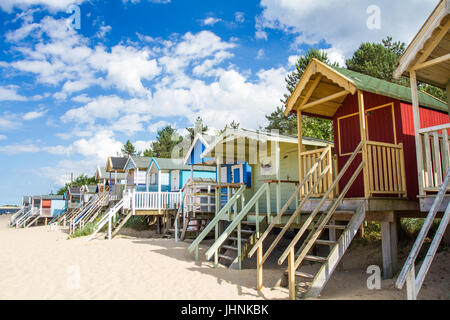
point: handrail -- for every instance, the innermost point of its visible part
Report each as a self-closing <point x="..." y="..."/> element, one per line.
<point x="16" y="215"/>
<point x="284" y="209"/>
<point x="238" y="218"/>
<point x="319" y="206"/>
<point x="217" y="218"/>
<point x="410" y="261"/>
<point x="307" y="245"/>
<point x="108" y="216"/>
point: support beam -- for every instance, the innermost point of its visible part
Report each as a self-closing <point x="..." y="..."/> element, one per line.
<point x="300" y="145"/>
<point x="394" y="245"/>
<point x="435" y="41"/>
<point x="324" y="100"/>
<point x="448" y="97"/>
<point x="416" y="117"/>
<point x="311" y="91"/>
<point x="386" y="249"/>
<point x="432" y="62"/>
<point x="362" y="127"/>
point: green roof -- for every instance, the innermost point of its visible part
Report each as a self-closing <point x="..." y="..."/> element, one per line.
<point x="141" y="162"/>
<point x="389" y="89"/>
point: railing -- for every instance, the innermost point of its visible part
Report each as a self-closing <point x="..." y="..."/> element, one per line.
<point x="314" y="158"/>
<point x="294" y="197"/>
<point x="386" y="166"/>
<point x="157" y="200"/>
<point x="16" y="215"/>
<point x="436" y="157"/>
<point x="214" y="222"/>
<point x="236" y="224"/>
<point x="408" y="274"/>
<point x="32" y="212"/>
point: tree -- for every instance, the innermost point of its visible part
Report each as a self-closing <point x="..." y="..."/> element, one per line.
<point x="198" y="127"/>
<point x="166" y="140"/>
<point x="128" y="149"/>
<point x="311" y="127"/>
<point x="232" y="125"/>
<point x="78" y="182"/>
<point x="377" y="59"/>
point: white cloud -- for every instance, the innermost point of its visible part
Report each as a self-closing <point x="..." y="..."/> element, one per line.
<point x="3" y="137"/>
<point x="153" y="128"/>
<point x="13" y="149"/>
<point x="83" y="98"/>
<point x="34" y="114"/>
<point x="9" y="93"/>
<point x="53" y="5"/>
<point x="343" y="23"/>
<point x="141" y="145"/>
<point x="210" y="21"/>
<point x="103" y="31"/>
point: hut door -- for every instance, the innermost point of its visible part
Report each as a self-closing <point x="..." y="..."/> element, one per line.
<point x="175" y="180"/>
<point x="238" y="174"/>
<point x="381" y="124"/>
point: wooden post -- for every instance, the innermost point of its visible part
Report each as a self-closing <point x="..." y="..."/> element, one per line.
<point x="291" y="274"/>
<point x="259" y="268"/>
<point x="448" y="97"/>
<point x="300" y="146"/>
<point x="362" y="127"/>
<point x="394" y="244"/>
<point x="278" y="164"/>
<point x="386" y="249"/>
<point x="416" y="117"/>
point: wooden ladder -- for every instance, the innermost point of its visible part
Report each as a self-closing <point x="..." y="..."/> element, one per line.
<point x="120" y="223"/>
<point x="317" y="222"/>
<point x="414" y="282"/>
<point x="311" y="285"/>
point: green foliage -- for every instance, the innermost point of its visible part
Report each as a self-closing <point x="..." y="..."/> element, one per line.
<point x="311" y="127"/>
<point x="166" y="141"/>
<point x="138" y="223"/>
<point x="78" y="182"/>
<point x="87" y="230"/>
<point x="377" y="59"/>
<point x="128" y="149"/>
<point x="232" y="125"/>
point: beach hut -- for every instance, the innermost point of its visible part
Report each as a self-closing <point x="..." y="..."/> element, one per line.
<point x="374" y="131"/>
<point x="88" y="192"/>
<point x="257" y="172"/>
<point x="427" y="59"/>
<point x="117" y="177"/>
<point x="75" y="197"/>
<point x="136" y="168"/>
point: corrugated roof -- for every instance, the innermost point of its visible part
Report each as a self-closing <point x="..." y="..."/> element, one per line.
<point x="118" y="163"/>
<point x="389" y="89"/>
<point x="141" y="162"/>
<point x="178" y="164"/>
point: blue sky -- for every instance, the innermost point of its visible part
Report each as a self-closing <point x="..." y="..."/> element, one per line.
<point x="70" y="97"/>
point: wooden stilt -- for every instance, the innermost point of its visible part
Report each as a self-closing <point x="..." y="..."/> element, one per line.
<point x="394" y="245"/>
<point x="259" y="268"/>
<point x="291" y="274"/>
<point x="386" y="249"/>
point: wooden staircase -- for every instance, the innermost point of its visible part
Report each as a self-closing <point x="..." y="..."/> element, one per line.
<point x="228" y="251"/>
<point x="322" y="236"/>
<point x="120" y="222"/>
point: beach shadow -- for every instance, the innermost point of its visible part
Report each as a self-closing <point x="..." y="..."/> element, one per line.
<point x="244" y="280"/>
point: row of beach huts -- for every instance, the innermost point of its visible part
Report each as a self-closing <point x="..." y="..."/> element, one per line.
<point x="249" y="191"/>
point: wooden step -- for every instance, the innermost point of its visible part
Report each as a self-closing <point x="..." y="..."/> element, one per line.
<point x="247" y="231"/>
<point x="301" y="274"/>
<point x="224" y="256"/>
<point x="236" y="239"/>
<point x="325" y="242"/>
<point x="229" y="247"/>
<point x="249" y="223"/>
<point x="338" y="212"/>
<point x="315" y="258"/>
<point x="334" y="226"/>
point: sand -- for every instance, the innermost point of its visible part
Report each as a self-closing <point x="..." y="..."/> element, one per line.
<point x="38" y="263"/>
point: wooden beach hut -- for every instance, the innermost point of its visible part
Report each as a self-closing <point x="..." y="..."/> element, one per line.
<point x="374" y="131"/>
<point x="427" y="59"/>
<point x="257" y="172"/>
<point x="116" y="177"/>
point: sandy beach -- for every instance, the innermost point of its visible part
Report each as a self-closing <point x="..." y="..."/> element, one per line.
<point x="38" y="263"/>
